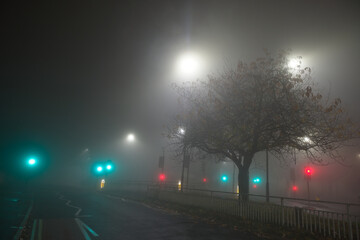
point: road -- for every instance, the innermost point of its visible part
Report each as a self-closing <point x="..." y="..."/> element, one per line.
<point x="70" y="214"/>
<point x="14" y="204"/>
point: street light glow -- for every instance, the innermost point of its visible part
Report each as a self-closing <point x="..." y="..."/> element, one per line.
<point x="181" y="131"/>
<point x="293" y="63"/>
<point x="189" y="65"/>
<point x="130" y="137"/>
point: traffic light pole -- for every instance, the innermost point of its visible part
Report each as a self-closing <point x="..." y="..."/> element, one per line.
<point x="182" y="171"/>
<point x="267" y="176"/>
<point x="163" y="166"/>
<point x="308" y="190"/>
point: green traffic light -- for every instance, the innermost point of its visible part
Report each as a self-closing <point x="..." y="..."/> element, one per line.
<point x="99" y="169"/>
<point x="32" y="161"/>
<point x="256" y="180"/>
<point x="224" y="178"/>
<point x="108" y="167"/>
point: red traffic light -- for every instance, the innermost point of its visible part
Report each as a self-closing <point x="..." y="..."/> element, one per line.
<point x="162" y="177"/>
<point x="254" y="186"/>
<point x="204" y="180"/>
<point x="294" y="188"/>
<point x="308" y="171"/>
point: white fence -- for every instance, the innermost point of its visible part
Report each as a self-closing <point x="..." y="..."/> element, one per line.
<point x="337" y="225"/>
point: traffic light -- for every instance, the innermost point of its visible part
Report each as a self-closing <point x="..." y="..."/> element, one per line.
<point x="162" y="177"/>
<point x="256" y="180"/>
<point x="308" y="172"/>
<point x="294" y="188"/>
<point x="204" y="180"/>
<point x="32" y="162"/>
<point x="99" y="169"/>
<point x="224" y="178"/>
<point x="109" y="166"/>
<point x="254" y="186"/>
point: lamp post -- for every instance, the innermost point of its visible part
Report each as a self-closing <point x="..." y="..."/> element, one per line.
<point x="188" y="65"/>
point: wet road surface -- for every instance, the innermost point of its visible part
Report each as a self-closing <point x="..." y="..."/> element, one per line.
<point x="65" y="214"/>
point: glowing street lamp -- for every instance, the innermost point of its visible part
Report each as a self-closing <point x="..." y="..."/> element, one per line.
<point x="189" y="65"/>
<point x="293" y="63"/>
<point x="130" y="138"/>
<point x="181" y="131"/>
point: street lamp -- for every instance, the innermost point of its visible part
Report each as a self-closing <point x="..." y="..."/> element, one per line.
<point x="130" y="138"/>
<point x="293" y="63"/>
<point x="189" y="65"/>
<point x="181" y="131"/>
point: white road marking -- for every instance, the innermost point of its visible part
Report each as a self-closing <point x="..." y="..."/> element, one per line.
<point x="83" y="227"/>
<point x="24" y="221"/>
<point x="33" y="230"/>
<point x="84" y="216"/>
<point x="40" y="229"/>
<point x="83" y="231"/>
<point x="88" y="228"/>
<point x="61" y="197"/>
<point x="119" y="198"/>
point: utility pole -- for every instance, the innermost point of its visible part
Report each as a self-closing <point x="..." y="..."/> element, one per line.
<point x="267" y="176"/>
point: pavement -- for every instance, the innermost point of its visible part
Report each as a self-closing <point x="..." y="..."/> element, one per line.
<point x="79" y="214"/>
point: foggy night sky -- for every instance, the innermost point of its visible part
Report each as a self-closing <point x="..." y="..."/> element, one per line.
<point x="82" y="74"/>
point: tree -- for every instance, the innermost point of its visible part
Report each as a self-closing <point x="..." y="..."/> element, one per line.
<point x="263" y="105"/>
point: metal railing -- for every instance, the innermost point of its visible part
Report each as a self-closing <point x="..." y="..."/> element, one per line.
<point x="334" y="224"/>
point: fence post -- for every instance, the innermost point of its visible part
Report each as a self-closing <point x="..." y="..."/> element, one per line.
<point x="282" y="211"/>
<point x="349" y="221"/>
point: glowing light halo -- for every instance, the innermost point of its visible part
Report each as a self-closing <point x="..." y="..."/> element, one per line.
<point x="189" y="65"/>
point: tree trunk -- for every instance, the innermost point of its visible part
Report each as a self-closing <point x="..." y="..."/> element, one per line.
<point x="243" y="181"/>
